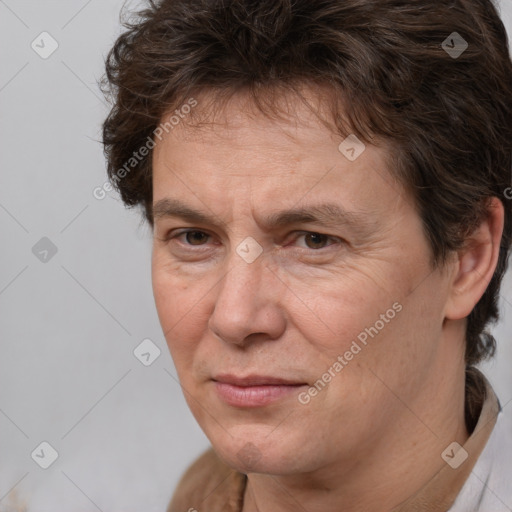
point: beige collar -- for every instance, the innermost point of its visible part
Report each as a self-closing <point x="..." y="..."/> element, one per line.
<point x="440" y="492"/>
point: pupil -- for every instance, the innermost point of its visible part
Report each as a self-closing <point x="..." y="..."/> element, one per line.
<point x="195" y="236"/>
<point x="316" y="238"/>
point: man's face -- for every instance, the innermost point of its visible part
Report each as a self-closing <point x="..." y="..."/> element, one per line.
<point x="256" y="312"/>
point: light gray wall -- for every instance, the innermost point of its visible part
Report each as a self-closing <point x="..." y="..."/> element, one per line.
<point x="68" y="326"/>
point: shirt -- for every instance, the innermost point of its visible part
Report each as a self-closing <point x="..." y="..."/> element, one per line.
<point x="478" y="478"/>
<point x="489" y="486"/>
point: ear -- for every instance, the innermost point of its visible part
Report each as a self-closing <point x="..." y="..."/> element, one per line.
<point x="475" y="263"/>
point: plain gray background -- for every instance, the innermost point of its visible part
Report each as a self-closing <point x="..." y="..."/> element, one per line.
<point x="69" y="324"/>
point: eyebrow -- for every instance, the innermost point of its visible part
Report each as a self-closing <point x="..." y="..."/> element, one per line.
<point x="326" y="214"/>
<point x="175" y="208"/>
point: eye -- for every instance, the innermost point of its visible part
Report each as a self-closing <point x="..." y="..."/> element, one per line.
<point x="196" y="237"/>
<point x="191" y="245"/>
<point x="193" y="237"/>
<point x="316" y="240"/>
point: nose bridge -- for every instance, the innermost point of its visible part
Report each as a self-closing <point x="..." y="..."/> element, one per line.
<point x="242" y="285"/>
<point x="246" y="302"/>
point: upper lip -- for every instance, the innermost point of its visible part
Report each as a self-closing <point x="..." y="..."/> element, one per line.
<point x="255" y="380"/>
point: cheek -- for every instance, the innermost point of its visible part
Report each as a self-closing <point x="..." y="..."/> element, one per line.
<point x="181" y="309"/>
<point x="334" y="312"/>
<point x="368" y="321"/>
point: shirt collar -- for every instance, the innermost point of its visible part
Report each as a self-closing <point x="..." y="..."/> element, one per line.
<point x="440" y="492"/>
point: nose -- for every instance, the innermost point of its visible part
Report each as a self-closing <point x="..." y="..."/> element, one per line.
<point x="248" y="306"/>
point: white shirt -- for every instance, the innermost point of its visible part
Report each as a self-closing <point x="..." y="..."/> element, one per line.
<point x="489" y="486"/>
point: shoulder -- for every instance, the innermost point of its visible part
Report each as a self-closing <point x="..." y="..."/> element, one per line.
<point x="209" y="485"/>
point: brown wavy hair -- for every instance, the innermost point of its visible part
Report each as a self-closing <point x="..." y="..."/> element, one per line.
<point x="448" y="118"/>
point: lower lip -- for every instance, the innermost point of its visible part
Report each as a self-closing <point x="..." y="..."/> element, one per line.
<point x="254" y="396"/>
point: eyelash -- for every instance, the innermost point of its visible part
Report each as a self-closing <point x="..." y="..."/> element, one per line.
<point x="174" y="236"/>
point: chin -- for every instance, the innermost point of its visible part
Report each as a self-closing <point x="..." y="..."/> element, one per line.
<point x="257" y="454"/>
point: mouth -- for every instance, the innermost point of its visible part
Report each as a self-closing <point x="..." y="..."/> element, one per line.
<point x="254" y="390"/>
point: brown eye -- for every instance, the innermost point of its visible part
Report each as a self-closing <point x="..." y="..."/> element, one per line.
<point x="195" y="237"/>
<point x="315" y="240"/>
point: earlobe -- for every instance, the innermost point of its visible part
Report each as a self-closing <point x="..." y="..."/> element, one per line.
<point x="476" y="263"/>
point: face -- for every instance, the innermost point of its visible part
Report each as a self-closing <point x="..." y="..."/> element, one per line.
<point x="294" y="288"/>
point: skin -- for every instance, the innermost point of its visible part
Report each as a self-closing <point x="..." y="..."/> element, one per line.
<point x="374" y="435"/>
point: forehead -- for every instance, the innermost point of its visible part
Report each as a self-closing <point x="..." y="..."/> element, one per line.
<point x="234" y="150"/>
<point x="228" y="113"/>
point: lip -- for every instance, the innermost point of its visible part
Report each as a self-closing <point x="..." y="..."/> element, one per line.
<point x="254" y="390"/>
<point x="255" y="380"/>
